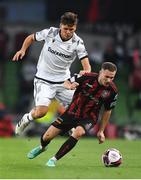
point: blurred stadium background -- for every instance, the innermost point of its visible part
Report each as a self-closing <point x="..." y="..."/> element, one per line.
<point x="111" y="31"/>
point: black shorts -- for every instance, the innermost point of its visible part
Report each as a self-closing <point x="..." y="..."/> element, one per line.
<point x="66" y="122"/>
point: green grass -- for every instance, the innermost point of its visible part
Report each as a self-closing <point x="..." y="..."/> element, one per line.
<point x="83" y="162"/>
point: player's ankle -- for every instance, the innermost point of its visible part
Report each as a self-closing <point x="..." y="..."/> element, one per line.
<point x="54" y="158"/>
<point x="42" y="147"/>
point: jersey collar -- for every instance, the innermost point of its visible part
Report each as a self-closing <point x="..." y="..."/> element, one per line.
<point x="58" y="37"/>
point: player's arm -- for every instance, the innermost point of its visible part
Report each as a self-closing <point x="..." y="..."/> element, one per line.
<point x="86" y="66"/>
<point x="72" y="82"/>
<point x="83" y="57"/>
<point x="27" y="42"/>
<point x="70" y="85"/>
<point x="104" y="121"/>
<point x="109" y="104"/>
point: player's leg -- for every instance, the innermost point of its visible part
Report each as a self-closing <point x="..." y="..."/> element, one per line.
<point x="67" y="146"/>
<point x="43" y="93"/>
<point x="64" y="96"/>
<point x="35" y="113"/>
<point x="44" y="141"/>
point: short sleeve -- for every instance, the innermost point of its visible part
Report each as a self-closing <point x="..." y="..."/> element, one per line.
<point x="41" y="35"/>
<point x="81" y="50"/>
<point x="110" y="103"/>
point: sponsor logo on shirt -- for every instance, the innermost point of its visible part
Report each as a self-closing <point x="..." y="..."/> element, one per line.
<point x="58" y="53"/>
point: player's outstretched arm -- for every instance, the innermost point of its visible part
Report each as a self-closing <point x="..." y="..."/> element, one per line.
<point x="21" y="53"/>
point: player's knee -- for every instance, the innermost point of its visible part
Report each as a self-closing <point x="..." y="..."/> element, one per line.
<point x="40" y="112"/>
<point x="78" y="132"/>
<point x="47" y="137"/>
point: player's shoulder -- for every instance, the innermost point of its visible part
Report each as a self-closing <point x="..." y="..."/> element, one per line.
<point x="77" y="39"/>
<point x="91" y="74"/>
<point x="53" y="28"/>
<point x="113" y="87"/>
<point x="53" y="31"/>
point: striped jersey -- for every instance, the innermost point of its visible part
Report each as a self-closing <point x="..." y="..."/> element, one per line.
<point x="90" y="96"/>
<point x="57" y="56"/>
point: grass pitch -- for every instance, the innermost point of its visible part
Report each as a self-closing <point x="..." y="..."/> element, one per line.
<point x="83" y="162"/>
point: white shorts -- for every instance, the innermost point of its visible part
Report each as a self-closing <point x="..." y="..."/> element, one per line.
<point x="44" y="92"/>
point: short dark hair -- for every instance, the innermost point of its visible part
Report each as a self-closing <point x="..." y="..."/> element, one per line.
<point x="109" y="66"/>
<point x="69" y="18"/>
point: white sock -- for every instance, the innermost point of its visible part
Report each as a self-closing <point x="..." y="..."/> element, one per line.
<point x="54" y="158"/>
<point x="30" y="116"/>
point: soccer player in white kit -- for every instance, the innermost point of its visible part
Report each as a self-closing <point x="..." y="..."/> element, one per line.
<point x="61" y="47"/>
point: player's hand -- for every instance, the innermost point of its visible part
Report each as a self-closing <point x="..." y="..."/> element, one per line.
<point x="83" y="72"/>
<point x="101" y="137"/>
<point x="70" y="86"/>
<point x="19" y="55"/>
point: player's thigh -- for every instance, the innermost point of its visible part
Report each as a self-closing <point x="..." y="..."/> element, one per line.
<point x="43" y="92"/>
<point x="65" y="96"/>
<point x="86" y="124"/>
<point x="65" y="122"/>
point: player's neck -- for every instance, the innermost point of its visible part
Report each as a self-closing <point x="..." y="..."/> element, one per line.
<point x="62" y="37"/>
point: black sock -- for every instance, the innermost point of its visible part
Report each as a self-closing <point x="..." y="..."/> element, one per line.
<point x="66" y="147"/>
<point x="44" y="143"/>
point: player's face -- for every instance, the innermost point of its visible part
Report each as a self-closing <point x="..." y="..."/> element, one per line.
<point x="105" y="77"/>
<point x="66" y="31"/>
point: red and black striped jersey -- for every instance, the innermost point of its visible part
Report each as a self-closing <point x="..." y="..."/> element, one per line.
<point x="90" y="96"/>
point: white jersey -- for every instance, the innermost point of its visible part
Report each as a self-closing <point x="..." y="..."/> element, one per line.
<point x="57" y="56"/>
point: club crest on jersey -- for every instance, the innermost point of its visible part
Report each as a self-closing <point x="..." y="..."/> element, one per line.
<point x="105" y="94"/>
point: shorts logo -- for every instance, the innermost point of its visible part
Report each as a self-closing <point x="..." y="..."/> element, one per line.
<point x="88" y="126"/>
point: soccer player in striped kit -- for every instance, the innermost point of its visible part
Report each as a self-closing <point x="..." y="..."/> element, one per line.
<point x="93" y="91"/>
<point x="61" y="47"/>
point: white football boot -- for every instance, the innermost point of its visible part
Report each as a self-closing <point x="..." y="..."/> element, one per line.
<point x="22" y="124"/>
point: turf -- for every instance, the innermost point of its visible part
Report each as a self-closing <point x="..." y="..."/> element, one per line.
<point x="83" y="162"/>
